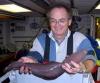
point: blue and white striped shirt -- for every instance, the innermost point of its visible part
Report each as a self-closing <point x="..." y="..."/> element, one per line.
<point x="58" y="52"/>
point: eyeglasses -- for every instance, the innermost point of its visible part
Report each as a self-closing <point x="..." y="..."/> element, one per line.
<point x="58" y="21"/>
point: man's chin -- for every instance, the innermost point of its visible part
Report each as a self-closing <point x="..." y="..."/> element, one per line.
<point x="59" y="34"/>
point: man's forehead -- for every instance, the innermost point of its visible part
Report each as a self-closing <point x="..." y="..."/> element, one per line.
<point x="63" y="18"/>
<point x="59" y="11"/>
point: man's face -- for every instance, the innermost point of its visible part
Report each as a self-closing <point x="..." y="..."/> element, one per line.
<point x="59" y="21"/>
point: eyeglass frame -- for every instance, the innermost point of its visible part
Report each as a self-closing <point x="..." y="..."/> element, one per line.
<point x="58" y="21"/>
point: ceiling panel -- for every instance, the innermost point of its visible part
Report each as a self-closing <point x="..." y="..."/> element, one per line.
<point x="4" y="2"/>
<point x="84" y="6"/>
<point x="39" y="6"/>
<point x="29" y="4"/>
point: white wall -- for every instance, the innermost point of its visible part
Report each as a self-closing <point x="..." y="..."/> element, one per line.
<point x="86" y="23"/>
<point x="19" y="37"/>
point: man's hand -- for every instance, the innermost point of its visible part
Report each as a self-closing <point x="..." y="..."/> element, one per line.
<point x="72" y="67"/>
<point x="29" y="59"/>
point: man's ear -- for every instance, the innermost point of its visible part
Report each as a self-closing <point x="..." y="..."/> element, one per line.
<point x="70" y="22"/>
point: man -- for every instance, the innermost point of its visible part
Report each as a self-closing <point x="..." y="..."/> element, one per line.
<point x="60" y="19"/>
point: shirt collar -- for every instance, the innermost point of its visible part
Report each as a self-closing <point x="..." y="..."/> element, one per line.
<point x="52" y="37"/>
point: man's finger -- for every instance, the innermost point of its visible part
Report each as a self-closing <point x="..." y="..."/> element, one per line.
<point x="26" y="70"/>
<point x="67" y="67"/>
<point x="75" y="64"/>
<point x="21" y="70"/>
